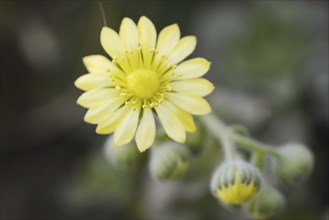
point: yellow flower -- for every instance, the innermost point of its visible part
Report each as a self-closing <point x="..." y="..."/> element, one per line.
<point x="235" y="182"/>
<point x="144" y="78"/>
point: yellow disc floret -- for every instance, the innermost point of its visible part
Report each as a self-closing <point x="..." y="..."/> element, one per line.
<point x="143" y="82"/>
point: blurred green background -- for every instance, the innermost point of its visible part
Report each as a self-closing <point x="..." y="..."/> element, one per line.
<point x="269" y="64"/>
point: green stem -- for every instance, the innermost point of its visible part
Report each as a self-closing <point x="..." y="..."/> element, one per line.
<point x="253" y="145"/>
<point x="258" y="158"/>
<point x="226" y="137"/>
<point x="218" y="129"/>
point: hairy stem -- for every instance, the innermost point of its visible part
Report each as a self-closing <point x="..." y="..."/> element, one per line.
<point x="225" y="135"/>
<point x="218" y="129"/>
<point x="253" y="145"/>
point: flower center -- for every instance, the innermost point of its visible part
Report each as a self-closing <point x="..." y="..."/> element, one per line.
<point x="143" y="82"/>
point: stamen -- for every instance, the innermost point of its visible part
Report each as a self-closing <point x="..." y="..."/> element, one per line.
<point x="140" y="56"/>
<point x="148" y="57"/>
<point x="165" y="69"/>
<point x="115" y="61"/>
<point x="132" y="58"/>
<point x="158" y="62"/>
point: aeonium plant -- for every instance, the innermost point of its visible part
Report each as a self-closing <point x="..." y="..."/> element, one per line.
<point x="144" y="84"/>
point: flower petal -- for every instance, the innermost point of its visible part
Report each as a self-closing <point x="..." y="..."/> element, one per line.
<point x="127" y="127"/>
<point x="129" y="34"/>
<point x="147" y="33"/>
<point x="168" y="39"/>
<point x="193" y="68"/>
<point x="111" y="42"/>
<point x="111" y="123"/>
<point x="184" y="48"/>
<point x="100" y="113"/>
<point x="97" y="64"/>
<point x="199" y="86"/>
<point x="95" y="97"/>
<point x="91" y="81"/>
<point x="185" y="118"/>
<point x="190" y="103"/>
<point x="171" y="124"/>
<point x="146" y="131"/>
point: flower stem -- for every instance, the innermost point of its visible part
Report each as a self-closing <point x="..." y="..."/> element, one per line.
<point x="258" y="158"/>
<point x="253" y="145"/>
<point x="218" y="129"/>
<point x="226" y="137"/>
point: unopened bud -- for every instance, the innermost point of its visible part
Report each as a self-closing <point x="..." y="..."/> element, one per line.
<point x="296" y="163"/>
<point x="168" y="161"/>
<point x="124" y="156"/>
<point x="235" y="182"/>
<point x="265" y="204"/>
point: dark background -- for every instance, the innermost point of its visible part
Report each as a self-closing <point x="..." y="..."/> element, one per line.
<point x="269" y="65"/>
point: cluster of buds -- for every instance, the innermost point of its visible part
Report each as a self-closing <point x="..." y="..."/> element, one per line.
<point x="168" y="159"/>
<point x="236" y="181"/>
<point x="240" y="183"/>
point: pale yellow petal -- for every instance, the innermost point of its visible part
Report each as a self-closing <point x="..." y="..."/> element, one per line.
<point x="198" y="86"/>
<point x="146" y="131"/>
<point x="190" y="103"/>
<point x="95" y="97"/>
<point x="111" y="123"/>
<point x="192" y="68"/>
<point x="97" y="64"/>
<point x="168" y="39"/>
<point x="147" y="33"/>
<point x="171" y="124"/>
<point x="111" y="42"/>
<point x="91" y="81"/>
<point x="183" y="49"/>
<point x="100" y="113"/>
<point x="184" y="117"/>
<point x="129" y="34"/>
<point x="127" y="128"/>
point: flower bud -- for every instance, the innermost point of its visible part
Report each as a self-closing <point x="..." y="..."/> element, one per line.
<point x="168" y="161"/>
<point x="296" y="163"/>
<point x="265" y="204"/>
<point x="124" y="156"/>
<point x="235" y="182"/>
